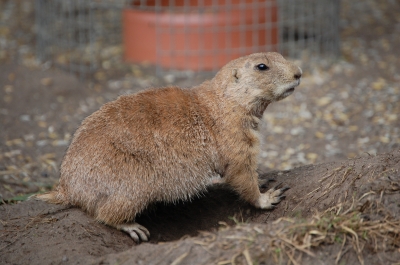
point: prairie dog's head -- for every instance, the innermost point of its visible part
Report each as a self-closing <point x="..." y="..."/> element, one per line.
<point x="258" y="79"/>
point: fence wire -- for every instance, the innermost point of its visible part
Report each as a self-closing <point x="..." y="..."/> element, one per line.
<point x="83" y="36"/>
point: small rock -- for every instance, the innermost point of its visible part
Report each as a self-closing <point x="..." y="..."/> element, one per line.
<point x="29" y="137"/>
<point x="47" y="81"/>
<point x="8" y="89"/>
<point x="114" y="84"/>
<point x="60" y="143"/>
<point x="42" y="143"/>
<point x="297" y="131"/>
<point x="323" y="101"/>
<point x="25" y="117"/>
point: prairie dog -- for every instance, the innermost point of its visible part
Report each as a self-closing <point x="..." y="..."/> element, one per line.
<point x="169" y="144"/>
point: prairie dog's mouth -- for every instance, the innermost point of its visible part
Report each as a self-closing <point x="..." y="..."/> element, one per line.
<point x="285" y="90"/>
<point x="291" y="86"/>
<point x="294" y="84"/>
<point x="290" y="90"/>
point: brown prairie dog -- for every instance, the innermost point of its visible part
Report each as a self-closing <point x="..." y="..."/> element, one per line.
<point x="169" y="144"/>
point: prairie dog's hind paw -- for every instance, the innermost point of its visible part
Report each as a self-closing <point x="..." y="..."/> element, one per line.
<point x="271" y="198"/>
<point x="136" y="231"/>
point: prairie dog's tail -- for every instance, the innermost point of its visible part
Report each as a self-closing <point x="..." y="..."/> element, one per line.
<point x="50" y="197"/>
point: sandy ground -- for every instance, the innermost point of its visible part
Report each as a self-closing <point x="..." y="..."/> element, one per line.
<point x="349" y="110"/>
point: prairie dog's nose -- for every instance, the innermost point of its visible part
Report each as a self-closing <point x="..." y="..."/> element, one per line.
<point x="298" y="74"/>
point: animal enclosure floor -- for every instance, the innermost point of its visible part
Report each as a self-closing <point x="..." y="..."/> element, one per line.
<point x="218" y="226"/>
<point x="348" y="110"/>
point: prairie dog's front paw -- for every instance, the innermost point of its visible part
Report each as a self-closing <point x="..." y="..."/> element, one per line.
<point x="271" y="198"/>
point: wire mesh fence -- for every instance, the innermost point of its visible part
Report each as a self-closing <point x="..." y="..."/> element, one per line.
<point x="83" y="36"/>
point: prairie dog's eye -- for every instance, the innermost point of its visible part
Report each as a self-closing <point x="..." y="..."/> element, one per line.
<point x="262" y="67"/>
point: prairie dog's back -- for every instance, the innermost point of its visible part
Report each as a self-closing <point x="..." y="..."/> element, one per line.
<point x="157" y="143"/>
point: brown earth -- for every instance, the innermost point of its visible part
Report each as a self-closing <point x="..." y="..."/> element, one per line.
<point x="348" y="110"/>
<point x="38" y="233"/>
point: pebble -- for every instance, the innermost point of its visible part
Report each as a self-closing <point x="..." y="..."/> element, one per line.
<point x="297" y="131"/>
<point x="60" y="143"/>
<point x="25" y="117"/>
<point x="42" y="143"/>
<point x="46" y="81"/>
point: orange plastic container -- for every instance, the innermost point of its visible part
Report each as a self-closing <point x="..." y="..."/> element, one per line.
<point x="187" y="38"/>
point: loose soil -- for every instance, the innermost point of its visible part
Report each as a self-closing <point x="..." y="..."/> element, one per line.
<point x="335" y="142"/>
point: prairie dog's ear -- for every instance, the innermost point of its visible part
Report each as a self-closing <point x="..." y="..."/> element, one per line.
<point x="236" y="75"/>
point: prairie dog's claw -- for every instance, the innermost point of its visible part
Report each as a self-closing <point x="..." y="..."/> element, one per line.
<point x="271" y="198"/>
<point x="136" y="231"/>
<point x="278" y="186"/>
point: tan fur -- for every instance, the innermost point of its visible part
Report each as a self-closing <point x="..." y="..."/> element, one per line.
<point x="168" y="144"/>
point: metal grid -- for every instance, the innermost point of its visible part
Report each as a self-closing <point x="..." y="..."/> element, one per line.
<point x="309" y="28"/>
<point x="83" y="36"/>
<point x="78" y="35"/>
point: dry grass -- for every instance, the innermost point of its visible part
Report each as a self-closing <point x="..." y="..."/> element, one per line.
<point x="361" y="225"/>
<point x="358" y="224"/>
<point x="342" y="224"/>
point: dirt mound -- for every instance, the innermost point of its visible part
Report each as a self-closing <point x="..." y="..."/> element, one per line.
<point x="343" y="211"/>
